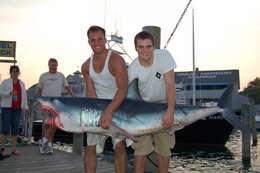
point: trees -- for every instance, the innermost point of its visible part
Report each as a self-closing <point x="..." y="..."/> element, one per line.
<point x="253" y="90"/>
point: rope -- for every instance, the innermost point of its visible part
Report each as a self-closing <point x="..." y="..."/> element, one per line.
<point x="176" y="26"/>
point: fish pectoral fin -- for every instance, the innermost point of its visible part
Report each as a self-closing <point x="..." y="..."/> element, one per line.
<point x="177" y="126"/>
<point x="119" y="132"/>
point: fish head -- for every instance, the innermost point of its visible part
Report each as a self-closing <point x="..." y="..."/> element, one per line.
<point x="65" y="115"/>
<point x="46" y="105"/>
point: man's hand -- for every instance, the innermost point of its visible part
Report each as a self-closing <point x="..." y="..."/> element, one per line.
<point x="106" y="120"/>
<point x="167" y="120"/>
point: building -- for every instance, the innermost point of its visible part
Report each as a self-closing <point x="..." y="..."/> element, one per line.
<point x="209" y="85"/>
<point x="77" y="83"/>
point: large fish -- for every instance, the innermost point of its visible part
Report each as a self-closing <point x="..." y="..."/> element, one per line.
<point x="133" y="118"/>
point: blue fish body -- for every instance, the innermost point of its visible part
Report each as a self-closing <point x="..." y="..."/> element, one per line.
<point x="133" y="117"/>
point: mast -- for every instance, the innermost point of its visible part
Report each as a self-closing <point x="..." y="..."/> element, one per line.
<point x="193" y="63"/>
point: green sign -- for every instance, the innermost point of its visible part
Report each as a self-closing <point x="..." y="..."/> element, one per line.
<point x="7" y="48"/>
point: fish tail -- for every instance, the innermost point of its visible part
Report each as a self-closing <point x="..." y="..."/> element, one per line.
<point x="226" y="98"/>
<point x="226" y="102"/>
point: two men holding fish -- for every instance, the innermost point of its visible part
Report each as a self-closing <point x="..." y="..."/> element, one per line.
<point x="106" y="77"/>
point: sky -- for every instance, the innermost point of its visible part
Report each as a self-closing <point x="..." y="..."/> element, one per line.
<point x="227" y="32"/>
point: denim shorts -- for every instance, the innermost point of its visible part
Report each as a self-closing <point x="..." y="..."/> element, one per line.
<point x="10" y="121"/>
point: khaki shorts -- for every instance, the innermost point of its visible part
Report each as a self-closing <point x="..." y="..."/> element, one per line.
<point x="99" y="141"/>
<point x="161" y="143"/>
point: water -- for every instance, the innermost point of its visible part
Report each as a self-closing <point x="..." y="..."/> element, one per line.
<point x="226" y="160"/>
<point x="189" y="160"/>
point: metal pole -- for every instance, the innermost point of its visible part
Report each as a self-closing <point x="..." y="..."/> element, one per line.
<point x="193" y="63"/>
<point x="177" y="24"/>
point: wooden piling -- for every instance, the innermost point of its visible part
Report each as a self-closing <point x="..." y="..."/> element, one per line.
<point x="253" y="126"/>
<point x="246" y="134"/>
<point x="77" y="143"/>
<point x="156" y="33"/>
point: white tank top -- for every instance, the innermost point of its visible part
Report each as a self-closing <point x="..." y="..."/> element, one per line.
<point x="104" y="81"/>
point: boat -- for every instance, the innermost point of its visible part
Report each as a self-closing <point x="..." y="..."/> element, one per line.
<point x="213" y="131"/>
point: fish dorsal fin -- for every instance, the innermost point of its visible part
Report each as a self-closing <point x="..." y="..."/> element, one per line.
<point x="133" y="91"/>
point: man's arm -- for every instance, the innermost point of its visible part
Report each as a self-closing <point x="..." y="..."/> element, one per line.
<point x="168" y="118"/>
<point x="118" y="69"/>
<point x="39" y="92"/>
<point x="88" y="81"/>
<point x="39" y="87"/>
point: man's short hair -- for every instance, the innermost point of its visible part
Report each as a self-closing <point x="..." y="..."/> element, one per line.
<point x="52" y="60"/>
<point x="144" y="35"/>
<point x="95" y="28"/>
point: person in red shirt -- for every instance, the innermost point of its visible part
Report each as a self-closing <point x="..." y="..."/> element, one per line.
<point x="13" y="101"/>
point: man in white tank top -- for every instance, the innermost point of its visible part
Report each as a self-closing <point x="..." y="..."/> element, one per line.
<point x="106" y="76"/>
<point x="154" y="70"/>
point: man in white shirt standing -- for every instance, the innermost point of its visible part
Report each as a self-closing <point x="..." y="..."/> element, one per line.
<point x="51" y="84"/>
<point x="154" y="70"/>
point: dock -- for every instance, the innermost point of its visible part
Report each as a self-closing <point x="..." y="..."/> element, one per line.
<point x="31" y="161"/>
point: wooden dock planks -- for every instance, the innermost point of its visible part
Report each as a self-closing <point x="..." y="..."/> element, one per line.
<point x="31" y="161"/>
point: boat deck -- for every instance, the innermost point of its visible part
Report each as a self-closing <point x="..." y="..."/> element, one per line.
<point x="31" y="161"/>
